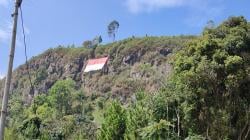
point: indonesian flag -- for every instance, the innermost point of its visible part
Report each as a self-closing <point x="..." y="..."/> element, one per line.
<point x="95" y="64"/>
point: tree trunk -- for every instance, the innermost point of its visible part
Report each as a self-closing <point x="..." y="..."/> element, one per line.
<point x="178" y="121"/>
<point x="247" y="134"/>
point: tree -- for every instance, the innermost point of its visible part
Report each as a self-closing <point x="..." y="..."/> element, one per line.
<point x="60" y="95"/>
<point x="157" y="131"/>
<point x="31" y="128"/>
<point x="87" y="44"/>
<point x="210" y="24"/>
<point x="114" y="125"/>
<point x="92" y="44"/>
<point x="97" y="40"/>
<point x="212" y="71"/>
<point x="112" y="29"/>
<point x="138" y="116"/>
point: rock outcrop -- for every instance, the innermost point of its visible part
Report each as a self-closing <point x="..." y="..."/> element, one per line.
<point x="144" y="65"/>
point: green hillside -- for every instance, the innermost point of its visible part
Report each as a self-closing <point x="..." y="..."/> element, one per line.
<point x="182" y="87"/>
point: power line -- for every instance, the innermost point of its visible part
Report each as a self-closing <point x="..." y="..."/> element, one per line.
<point x="25" y="50"/>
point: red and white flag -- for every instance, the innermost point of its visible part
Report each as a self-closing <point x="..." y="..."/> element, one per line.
<point x="95" y="64"/>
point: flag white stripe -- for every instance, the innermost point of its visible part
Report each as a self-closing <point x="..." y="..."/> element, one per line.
<point x="94" y="67"/>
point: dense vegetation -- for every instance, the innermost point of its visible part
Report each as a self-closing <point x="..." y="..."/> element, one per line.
<point x="206" y="96"/>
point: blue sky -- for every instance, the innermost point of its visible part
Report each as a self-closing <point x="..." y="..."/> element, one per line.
<point x="49" y="23"/>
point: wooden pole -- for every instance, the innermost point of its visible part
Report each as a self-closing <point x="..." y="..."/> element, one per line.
<point x="9" y="74"/>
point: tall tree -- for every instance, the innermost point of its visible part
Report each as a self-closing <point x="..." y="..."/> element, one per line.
<point x="213" y="72"/>
<point x="112" y="29"/>
<point x="114" y="125"/>
<point x="60" y="95"/>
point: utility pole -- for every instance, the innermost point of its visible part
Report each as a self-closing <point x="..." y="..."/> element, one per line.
<point x="9" y="74"/>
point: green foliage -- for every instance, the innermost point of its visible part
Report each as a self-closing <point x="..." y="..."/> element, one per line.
<point x="195" y="137"/>
<point x="10" y="134"/>
<point x="78" y="98"/>
<point x="30" y="128"/>
<point x="208" y="94"/>
<point x="206" y="97"/>
<point x="138" y="116"/>
<point x="114" y="125"/>
<point x="45" y="119"/>
<point x="40" y="76"/>
<point x="157" y="131"/>
<point x="87" y="44"/>
<point x="60" y="96"/>
<point x="45" y="112"/>
<point x="213" y="71"/>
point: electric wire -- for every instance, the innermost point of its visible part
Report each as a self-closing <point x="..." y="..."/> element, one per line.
<point x="25" y="51"/>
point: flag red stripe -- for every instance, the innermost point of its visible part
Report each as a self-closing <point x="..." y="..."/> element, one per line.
<point x="97" y="61"/>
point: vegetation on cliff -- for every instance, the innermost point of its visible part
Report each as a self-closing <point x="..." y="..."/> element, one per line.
<point x="157" y="88"/>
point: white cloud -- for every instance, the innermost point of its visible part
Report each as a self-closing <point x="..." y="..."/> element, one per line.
<point x="197" y="12"/>
<point x="4" y="3"/>
<point x="202" y="11"/>
<point x="5" y="32"/>
<point x="200" y="20"/>
<point x="1" y="76"/>
<point x="137" y="6"/>
<point x="4" y="35"/>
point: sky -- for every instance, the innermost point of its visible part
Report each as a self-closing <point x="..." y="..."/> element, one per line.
<point x="50" y="23"/>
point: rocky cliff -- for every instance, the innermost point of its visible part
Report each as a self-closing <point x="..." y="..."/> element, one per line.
<point x="135" y="63"/>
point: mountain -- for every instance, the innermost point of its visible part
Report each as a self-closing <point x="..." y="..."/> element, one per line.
<point x="134" y="64"/>
<point x="179" y="87"/>
<point x="141" y="61"/>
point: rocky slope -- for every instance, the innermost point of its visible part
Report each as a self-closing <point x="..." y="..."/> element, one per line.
<point x="135" y="63"/>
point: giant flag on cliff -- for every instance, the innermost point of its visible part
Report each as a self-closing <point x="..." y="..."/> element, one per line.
<point x="96" y="64"/>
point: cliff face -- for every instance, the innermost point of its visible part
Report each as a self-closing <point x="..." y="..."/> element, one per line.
<point x="135" y="63"/>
